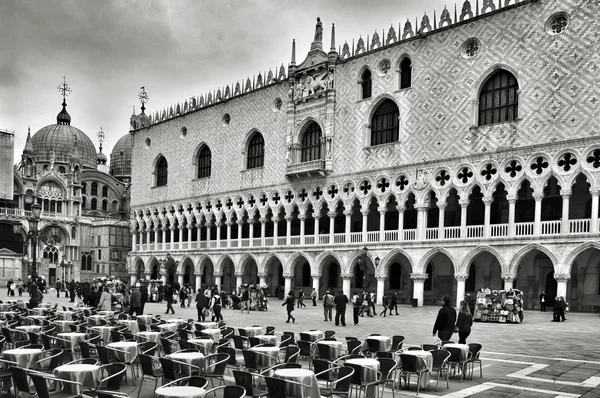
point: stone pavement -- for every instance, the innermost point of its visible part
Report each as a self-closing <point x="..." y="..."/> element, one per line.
<point x="537" y="358"/>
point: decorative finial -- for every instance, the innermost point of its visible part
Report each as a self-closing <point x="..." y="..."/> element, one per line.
<point x="332" y="37"/>
<point x="294" y="52"/>
<point x="143" y="96"/>
<point x="101" y="136"/>
<point x="64" y="88"/>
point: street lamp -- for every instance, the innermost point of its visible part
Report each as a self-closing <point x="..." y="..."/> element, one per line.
<point x="32" y="235"/>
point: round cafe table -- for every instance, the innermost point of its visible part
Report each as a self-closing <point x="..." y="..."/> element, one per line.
<point x="304" y="376"/>
<point x="30" y="328"/>
<point x="192" y="358"/>
<point x="206" y="325"/>
<point x="25" y="357"/>
<point x="177" y="321"/>
<point x="426" y="363"/>
<point x="464" y="349"/>
<point x="81" y="373"/>
<point x="107" y="314"/>
<point x="131" y="324"/>
<point x="168" y="327"/>
<point x="63" y="325"/>
<point x="206" y="346"/>
<point x="144" y="319"/>
<point x="315" y="335"/>
<point x="127" y="346"/>
<point x="104" y="332"/>
<point x="148" y="336"/>
<point x="94" y="320"/>
<point x="30" y="319"/>
<point x="73" y="338"/>
<point x="40" y="310"/>
<point x="336" y="347"/>
<point x="369" y="368"/>
<point x="385" y="342"/>
<point x="66" y="315"/>
<point x="3" y="314"/>
<point x="179" y="392"/>
<point x="267" y="356"/>
<point x="214" y="334"/>
<point x="253" y="331"/>
<point x="266" y="338"/>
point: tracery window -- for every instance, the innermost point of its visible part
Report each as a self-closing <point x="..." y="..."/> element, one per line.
<point x="94" y="190"/>
<point x="385" y="127"/>
<point x="105" y="191"/>
<point x="311" y="143"/>
<point x="366" y="84"/>
<point x="94" y="204"/>
<point x="105" y="205"/>
<point x="256" y="151"/>
<point x="498" y="99"/>
<point x="204" y="162"/>
<point x="161" y="172"/>
<point x="83" y="188"/>
<point x="405" y="73"/>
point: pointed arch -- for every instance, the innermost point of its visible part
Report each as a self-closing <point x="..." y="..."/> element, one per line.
<point x="577" y="251"/>
<point x="219" y="264"/>
<point x="464" y="268"/>
<point x="289" y="266"/>
<point x="182" y="260"/>
<point x="370" y="114"/>
<point x="389" y="256"/>
<point x="320" y="260"/>
<point x="516" y="260"/>
<point x="241" y="265"/>
<point x="262" y="267"/>
<point x="431" y="253"/>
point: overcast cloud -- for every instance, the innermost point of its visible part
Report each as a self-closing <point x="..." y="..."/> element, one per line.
<point x="175" y="48"/>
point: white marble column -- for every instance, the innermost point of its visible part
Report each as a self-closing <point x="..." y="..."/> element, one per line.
<point x="198" y="281"/>
<point x="317" y="226"/>
<point x="163" y="241"/>
<point x="288" y="282"/>
<point x="132" y="279"/>
<point x="172" y="228"/>
<point x="275" y="230"/>
<point x="348" y="226"/>
<point x="218" y="224"/>
<point x="238" y="279"/>
<point x="464" y="204"/>
<point x="157" y="233"/>
<point x="229" y="223"/>
<point x="180" y="278"/>
<point x="460" y="287"/>
<point x="315" y="283"/>
<point x="508" y="279"/>
<point x="302" y="218"/>
<point x="365" y="218"/>
<point x="564" y="225"/>
<point x="380" y="288"/>
<point x="346" y="279"/>
<point x="263" y="229"/>
<point x="251" y="232"/>
<point x="163" y="276"/>
<point x="262" y="277"/>
<point x="331" y="215"/>
<point x="217" y="280"/>
<point x="207" y="225"/>
<point x="148" y="231"/>
<point x="133" y="240"/>
<point x="382" y="211"/>
<point x="594" y="221"/>
<point x="561" y="283"/>
<point x="512" y="200"/>
<point x="180" y="228"/>
<point x="421" y="222"/>
<point x="487" y="202"/>
<point x="288" y="229"/>
<point x="400" y="222"/>
<point x="418" y="287"/>
<point x="190" y="227"/>
<point x="537" y="220"/>
<point x="441" y="220"/>
<point x="239" y="223"/>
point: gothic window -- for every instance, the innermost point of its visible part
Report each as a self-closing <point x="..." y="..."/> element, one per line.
<point x="498" y="100"/>
<point x="105" y="205"/>
<point x="428" y="285"/>
<point x="366" y="84"/>
<point x="73" y="233"/>
<point x="94" y="190"/>
<point x="94" y="204"/>
<point x="204" y="162"/>
<point x="256" y="151"/>
<point x="51" y="253"/>
<point x="83" y="202"/>
<point x="83" y="188"/>
<point x="311" y="143"/>
<point x="385" y="126"/>
<point x="161" y="172"/>
<point x="105" y="191"/>
<point x="405" y="73"/>
<point x="86" y="261"/>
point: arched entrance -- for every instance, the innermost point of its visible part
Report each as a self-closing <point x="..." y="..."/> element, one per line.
<point x="533" y="271"/>
<point x="583" y="289"/>
<point x="398" y="279"/>
<point x="250" y="270"/>
<point x="551" y="288"/>
<point x="302" y="278"/>
<point x="274" y="277"/>
<point x="331" y="278"/>
<point x="440" y="281"/>
<point x="139" y="269"/>
<point x="363" y="276"/>
<point x="207" y="278"/>
<point x="170" y="269"/>
<point x="484" y="272"/>
<point x="188" y="273"/>
<point x="228" y="282"/>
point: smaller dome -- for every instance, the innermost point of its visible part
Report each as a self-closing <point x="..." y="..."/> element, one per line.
<point x="101" y="158"/>
<point x="120" y="158"/>
<point x="63" y="116"/>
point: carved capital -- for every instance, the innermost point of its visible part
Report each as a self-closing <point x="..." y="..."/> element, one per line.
<point x="442" y="205"/>
<point x="508" y="277"/>
<point x="400" y="208"/>
<point x="262" y="220"/>
<point x="365" y="213"/>
<point x="287" y="275"/>
<point x="418" y="277"/>
<point x="562" y="277"/>
<point x="381" y="277"/>
<point x="179" y="273"/>
<point x="595" y="191"/>
<point x="331" y="214"/>
<point x="217" y="274"/>
<point x="261" y="274"/>
<point x="488" y="201"/>
<point x="239" y="222"/>
<point x="348" y="213"/>
<point x="302" y="217"/>
<point x="422" y="207"/>
<point x="316" y="276"/>
<point x="463" y="202"/>
<point x="239" y="274"/>
<point x="218" y="224"/>
<point x="538" y="197"/>
<point x="347" y="276"/>
<point x="288" y="218"/>
<point x="382" y="210"/>
<point x="565" y="192"/>
<point x="511" y="198"/>
<point x="198" y="274"/>
<point x="461" y="277"/>
<point x="229" y="223"/>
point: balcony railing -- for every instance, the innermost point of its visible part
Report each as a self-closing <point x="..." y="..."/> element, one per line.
<point x="522" y="229"/>
<point x="311" y="167"/>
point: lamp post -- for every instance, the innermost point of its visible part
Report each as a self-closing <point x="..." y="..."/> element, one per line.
<point x="32" y="235"/>
<point x="64" y="266"/>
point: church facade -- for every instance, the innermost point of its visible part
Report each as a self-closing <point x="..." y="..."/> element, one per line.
<point x="459" y="154"/>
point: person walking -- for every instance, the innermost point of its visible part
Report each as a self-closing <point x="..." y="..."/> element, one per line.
<point x="385" y="303"/>
<point x="36" y="296"/>
<point x="72" y="291"/>
<point x="289" y="303"/>
<point x="464" y="322"/>
<point x="301" y="298"/>
<point x="245" y="300"/>
<point x="216" y="306"/>
<point x="445" y="321"/>
<point x="556" y="310"/>
<point x="182" y="296"/>
<point x="20" y="286"/>
<point x="169" y="298"/>
<point x="57" y="286"/>
<point x="135" y="301"/>
<point x="200" y="305"/>
<point x="313" y="296"/>
<point x="340" y="302"/>
<point x="563" y="308"/>
<point x="105" y="303"/>
<point x="394" y="303"/>
<point x="372" y="302"/>
<point x="543" y="302"/>
<point x="356" y="307"/>
<point x="328" y="306"/>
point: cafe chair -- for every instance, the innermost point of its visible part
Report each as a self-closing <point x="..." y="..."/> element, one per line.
<point x="238" y="342"/>
<point x="235" y="361"/>
<point x="11" y="342"/>
<point x="20" y="381"/>
<point x="111" y="377"/>
<point x="325" y="351"/>
<point x="414" y="348"/>
<point x="354" y="346"/>
<point x="34" y="338"/>
<point x="412" y="365"/>
<point x="344" y="358"/>
<point x="292" y="353"/>
<point x="292" y="338"/>
<point x="251" y="361"/>
<point x="384" y="354"/>
<point x="267" y="371"/>
<point x="223" y="342"/>
<point x="270" y="330"/>
<point x="341" y="385"/>
<point x="329" y="334"/>
<point x="305" y="336"/>
<point x="475" y="350"/>
<point x="429" y="347"/>
<point x="372" y="346"/>
<point x="87" y="349"/>
<point x="170" y="371"/>
<point x="193" y="381"/>
<point x="147" y="347"/>
<point x="151" y="369"/>
<point x="229" y="391"/>
<point x="397" y="342"/>
<point x="306" y="351"/>
<point x="84" y="361"/>
<point x="104" y="354"/>
<point x="358" y="383"/>
<point x="324" y="369"/>
<point x="214" y="367"/>
<point x="457" y="362"/>
<point x="440" y="366"/>
<point x="40" y="382"/>
<point x="388" y="368"/>
<point x="277" y="387"/>
<point x="51" y="360"/>
<point x="169" y="346"/>
<point x="227" y="333"/>
<point x="252" y="386"/>
<point x="253" y="341"/>
<point x="111" y="394"/>
<point x="116" y="335"/>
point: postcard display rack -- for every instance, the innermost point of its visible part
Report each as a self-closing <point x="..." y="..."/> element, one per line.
<point x="504" y="306"/>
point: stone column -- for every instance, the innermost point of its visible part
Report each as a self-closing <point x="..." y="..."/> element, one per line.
<point x="262" y="276"/>
<point x="288" y="230"/>
<point x="464" y="204"/>
<point x="163" y="241"/>
<point x="157" y="232"/>
<point x="288" y="282"/>
<point x="263" y="229"/>
<point x="537" y="220"/>
<point x="180" y="228"/>
<point x="487" y="216"/>
<point x="148" y="230"/>
<point x="315" y="283"/>
<point x="172" y="228"/>
<point x="239" y="224"/>
<point x="348" y="214"/>
<point x="190" y="228"/>
<point x="218" y="276"/>
<point x="316" y="234"/>
<point x="508" y="279"/>
<point x="421" y="222"/>
<point x="198" y="281"/>
<point x="302" y="218"/>
<point x="199" y="233"/>
<point x="331" y="216"/>
<point x="207" y="225"/>
<point x="460" y="287"/>
<point x="400" y="222"/>
<point x="238" y="279"/>
<point x="512" y="200"/>
<point x="148" y="275"/>
<point x="180" y="278"/>
<point x="382" y="211"/>
<point x="418" y="287"/>
<point x="346" y="278"/>
<point x="564" y="225"/>
<point x="163" y="276"/>
<point x="132" y="279"/>
<point x="441" y="220"/>
<point x="594" y="221"/>
<point x="561" y="286"/>
<point x="133" y="240"/>
<point x="275" y="230"/>
<point x="218" y="224"/>
<point x="250" y="232"/>
<point x="380" y="289"/>
<point x="229" y="223"/>
<point x="365" y="217"/>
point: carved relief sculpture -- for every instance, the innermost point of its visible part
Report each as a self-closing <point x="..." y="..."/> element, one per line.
<point x="421" y="180"/>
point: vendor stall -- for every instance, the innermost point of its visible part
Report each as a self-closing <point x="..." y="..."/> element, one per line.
<point x="499" y="306"/>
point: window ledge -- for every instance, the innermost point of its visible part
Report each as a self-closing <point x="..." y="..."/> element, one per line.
<point x="201" y="178"/>
<point x="403" y="90"/>
<point x="514" y="121"/>
<point x="253" y="169"/>
<point x="157" y="187"/>
<point x="364" y="100"/>
<point x="376" y="147"/>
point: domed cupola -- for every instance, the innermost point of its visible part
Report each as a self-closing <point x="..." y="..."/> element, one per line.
<point x="63" y="116"/>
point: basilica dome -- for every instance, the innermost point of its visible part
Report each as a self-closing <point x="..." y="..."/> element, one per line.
<point x="120" y="158"/>
<point x="66" y="141"/>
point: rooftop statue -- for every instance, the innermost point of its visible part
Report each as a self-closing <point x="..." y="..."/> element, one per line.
<point x="319" y="30"/>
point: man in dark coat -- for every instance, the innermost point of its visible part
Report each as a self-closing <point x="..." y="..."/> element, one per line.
<point x="169" y="298"/>
<point x="85" y="293"/>
<point x="144" y="297"/>
<point x="394" y="304"/>
<point x="201" y="303"/>
<point x="72" y="290"/>
<point x="340" y="302"/>
<point x="445" y="321"/>
<point x="135" y="301"/>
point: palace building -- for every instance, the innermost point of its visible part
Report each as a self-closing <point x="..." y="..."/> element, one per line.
<point x="440" y="158"/>
<point x="83" y="227"/>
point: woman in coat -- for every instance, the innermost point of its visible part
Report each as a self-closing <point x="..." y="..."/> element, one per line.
<point x="464" y="322"/>
<point x="445" y="321"/>
<point x="289" y="301"/>
<point x="105" y="303"/>
<point x="200" y="305"/>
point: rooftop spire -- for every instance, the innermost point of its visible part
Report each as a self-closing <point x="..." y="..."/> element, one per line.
<point x="293" y="52"/>
<point x="28" y="144"/>
<point x="63" y="117"/>
<point x="332" y="37"/>
<point x="143" y="96"/>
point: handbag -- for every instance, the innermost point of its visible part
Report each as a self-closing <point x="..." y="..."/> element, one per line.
<point x="455" y="329"/>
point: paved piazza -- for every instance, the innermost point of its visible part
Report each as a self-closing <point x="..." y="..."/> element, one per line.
<point x="537" y="358"/>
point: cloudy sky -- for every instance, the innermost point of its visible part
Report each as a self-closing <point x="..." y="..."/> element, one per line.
<point x="175" y="48"/>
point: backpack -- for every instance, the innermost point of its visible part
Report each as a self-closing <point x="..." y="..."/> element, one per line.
<point x="328" y="300"/>
<point x="358" y="301"/>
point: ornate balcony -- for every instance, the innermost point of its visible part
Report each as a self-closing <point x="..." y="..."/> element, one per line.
<point x="306" y="169"/>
